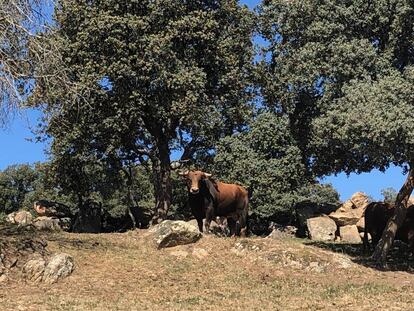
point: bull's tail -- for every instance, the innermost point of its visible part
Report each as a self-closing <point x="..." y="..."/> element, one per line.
<point x="243" y="220"/>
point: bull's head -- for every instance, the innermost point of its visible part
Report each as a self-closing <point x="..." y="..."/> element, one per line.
<point x="193" y="180"/>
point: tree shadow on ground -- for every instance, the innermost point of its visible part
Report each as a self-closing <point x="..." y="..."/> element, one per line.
<point x="23" y="237"/>
<point x="399" y="258"/>
<point x="13" y="230"/>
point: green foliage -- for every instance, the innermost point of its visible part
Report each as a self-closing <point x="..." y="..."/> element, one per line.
<point x="179" y="208"/>
<point x="324" y="196"/>
<point x="341" y="71"/>
<point x="265" y="159"/>
<point x="21" y="185"/>
<point x="15" y="183"/>
<point x="369" y="127"/>
<point x="115" y="199"/>
<point x="389" y="194"/>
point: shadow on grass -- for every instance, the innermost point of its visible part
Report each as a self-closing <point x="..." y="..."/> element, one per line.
<point x="399" y="258"/>
<point x="13" y="230"/>
<point x="24" y="235"/>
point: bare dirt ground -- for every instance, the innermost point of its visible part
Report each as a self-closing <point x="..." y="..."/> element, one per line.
<point x="125" y="272"/>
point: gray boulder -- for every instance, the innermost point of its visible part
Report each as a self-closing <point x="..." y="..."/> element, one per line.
<point x="47" y="223"/>
<point x="58" y="267"/>
<point x="321" y="228"/>
<point x="172" y="233"/>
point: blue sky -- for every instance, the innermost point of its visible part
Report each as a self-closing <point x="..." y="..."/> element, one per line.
<point x="16" y="148"/>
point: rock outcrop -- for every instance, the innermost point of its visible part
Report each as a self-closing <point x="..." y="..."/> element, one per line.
<point x="321" y="228"/>
<point x="307" y="210"/>
<point x="21" y="218"/>
<point x="351" y="211"/>
<point x="348" y="218"/>
<point x="349" y="234"/>
<point x="47" y="223"/>
<point x="51" y="209"/>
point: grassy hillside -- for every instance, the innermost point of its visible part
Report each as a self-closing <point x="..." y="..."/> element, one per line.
<point x="125" y="272"/>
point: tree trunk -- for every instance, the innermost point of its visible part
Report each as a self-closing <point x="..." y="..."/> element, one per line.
<point x="131" y="199"/>
<point x="401" y="204"/>
<point x="162" y="183"/>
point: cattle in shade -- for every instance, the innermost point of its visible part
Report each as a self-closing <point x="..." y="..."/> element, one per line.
<point x="377" y="215"/>
<point x="208" y="199"/>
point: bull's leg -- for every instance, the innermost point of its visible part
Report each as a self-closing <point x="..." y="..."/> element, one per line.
<point x="200" y="224"/>
<point x="209" y="218"/>
<point x="232" y="226"/>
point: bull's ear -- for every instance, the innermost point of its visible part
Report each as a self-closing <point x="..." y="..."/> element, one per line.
<point x="185" y="174"/>
<point x="207" y="175"/>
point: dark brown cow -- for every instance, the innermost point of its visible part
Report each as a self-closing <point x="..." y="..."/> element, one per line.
<point x="208" y="199"/>
<point x="377" y="215"/>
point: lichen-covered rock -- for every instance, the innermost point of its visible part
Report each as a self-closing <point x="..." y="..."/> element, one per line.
<point x="349" y="234"/>
<point x="321" y="228"/>
<point x="172" y="233"/>
<point x="47" y="223"/>
<point x="21" y="218"/>
<point x="10" y="218"/>
<point x="34" y="268"/>
<point x="40" y="269"/>
<point x="351" y="211"/>
<point x="58" y="267"/>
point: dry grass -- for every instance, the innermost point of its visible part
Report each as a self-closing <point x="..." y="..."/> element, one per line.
<point x="125" y="272"/>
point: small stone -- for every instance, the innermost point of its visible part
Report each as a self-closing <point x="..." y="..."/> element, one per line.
<point x="3" y="278"/>
<point x="200" y="253"/>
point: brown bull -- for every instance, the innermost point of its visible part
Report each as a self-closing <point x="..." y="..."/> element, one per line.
<point x="208" y="199"/>
<point x="377" y="215"/>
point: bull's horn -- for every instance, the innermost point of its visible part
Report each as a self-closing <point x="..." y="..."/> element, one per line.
<point x="208" y="175"/>
<point x="183" y="173"/>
